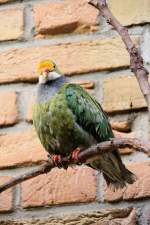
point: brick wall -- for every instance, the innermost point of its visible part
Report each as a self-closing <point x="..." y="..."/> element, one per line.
<point x="90" y="53"/>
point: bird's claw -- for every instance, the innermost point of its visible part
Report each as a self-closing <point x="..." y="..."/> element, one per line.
<point x="57" y="159"/>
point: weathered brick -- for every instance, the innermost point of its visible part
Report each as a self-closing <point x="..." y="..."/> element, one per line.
<point x="138" y="190"/>
<point x="72" y="58"/>
<point x="11" y="27"/>
<point x="123" y="10"/>
<point x="123" y="126"/>
<point x="122" y="93"/>
<point x="74" y="16"/>
<point x="20" y="148"/>
<point x="5" y="197"/>
<point x="125" y="151"/>
<point x="122" y="216"/>
<point x="87" y="84"/>
<point x="8" y="108"/>
<point x="76" y="184"/>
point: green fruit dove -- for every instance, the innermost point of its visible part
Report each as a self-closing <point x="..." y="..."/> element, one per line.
<point x="68" y="120"/>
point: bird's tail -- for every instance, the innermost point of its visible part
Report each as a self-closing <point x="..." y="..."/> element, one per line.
<point x="126" y="177"/>
<point x="114" y="171"/>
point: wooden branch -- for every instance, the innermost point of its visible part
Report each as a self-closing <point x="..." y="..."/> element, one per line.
<point x="136" y="65"/>
<point x="136" y="61"/>
<point x="85" y="156"/>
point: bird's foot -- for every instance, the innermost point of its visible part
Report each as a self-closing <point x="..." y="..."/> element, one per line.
<point x="57" y="159"/>
<point x="75" y="154"/>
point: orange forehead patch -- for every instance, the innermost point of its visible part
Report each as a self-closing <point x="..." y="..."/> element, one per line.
<point x="45" y="64"/>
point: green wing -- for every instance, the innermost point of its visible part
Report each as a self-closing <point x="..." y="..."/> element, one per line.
<point x="88" y="112"/>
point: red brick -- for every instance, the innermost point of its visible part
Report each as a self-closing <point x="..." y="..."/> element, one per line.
<point x="87" y="84"/>
<point x="122" y="126"/>
<point x="20" y="148"/>
<point x="122" y="93"/>
<point x="5" y="197"/>
<point x="8" y="108"/>
<point x="74" y="16"/>
<point x="123" y="11"/>
<point x="139" y="190"/>
<point x="126" y="150"/>
<point x="73" y="185"/>
<point x="11" y="20"/>
<point x="72" y="58"/>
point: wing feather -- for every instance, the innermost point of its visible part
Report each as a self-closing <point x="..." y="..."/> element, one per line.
<point x="88" y="112"/>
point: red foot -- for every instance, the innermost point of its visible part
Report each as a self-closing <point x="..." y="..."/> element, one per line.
<point x="56" y="159"/>
<point x="75" y="154"/>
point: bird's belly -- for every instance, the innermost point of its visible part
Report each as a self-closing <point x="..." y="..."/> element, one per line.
<point x="58" y="129"/>
<point x="63" y="139"/>
<point x="63" y="135"/>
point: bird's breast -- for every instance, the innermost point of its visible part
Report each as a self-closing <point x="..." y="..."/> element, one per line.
<point x="57" y="127"/>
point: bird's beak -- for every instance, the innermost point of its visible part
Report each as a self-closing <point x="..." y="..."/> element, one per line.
<point x="45" y="75"/>
<point x="43" y="78"/>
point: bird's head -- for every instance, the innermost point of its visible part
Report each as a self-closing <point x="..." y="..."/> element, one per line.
<point x="47" y="71"/>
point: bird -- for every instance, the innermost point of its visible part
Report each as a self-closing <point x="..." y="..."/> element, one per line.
<point x="68" y="120"/>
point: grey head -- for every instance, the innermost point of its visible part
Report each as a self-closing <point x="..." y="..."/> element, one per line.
<point x="50" y="80"/>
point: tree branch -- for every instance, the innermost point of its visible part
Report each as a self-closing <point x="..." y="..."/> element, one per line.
<point x="136" y="65"/>
<point x="136" y="61"/>
<point x="85" y="156"/>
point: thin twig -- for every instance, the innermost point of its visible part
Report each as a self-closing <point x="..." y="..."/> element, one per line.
<point x="84" y="157"/>
<point x="136" y="60"/>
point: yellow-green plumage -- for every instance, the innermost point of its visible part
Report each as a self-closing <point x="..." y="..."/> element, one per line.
<point x="56" y="126"/>
<point x="71" y="118"/>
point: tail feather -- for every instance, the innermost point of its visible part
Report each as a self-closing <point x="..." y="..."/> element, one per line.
<point x="127" y="177"/>
<point x="114" y="171"/>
